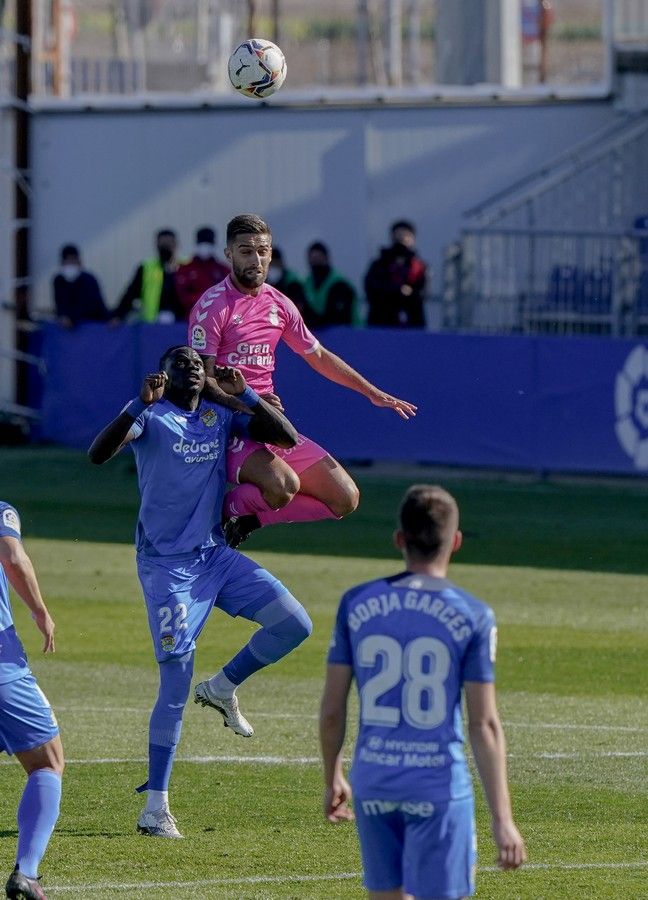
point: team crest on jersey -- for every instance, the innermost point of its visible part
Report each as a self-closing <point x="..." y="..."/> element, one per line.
<point x="209" y="417"/>
<point x="10" y="519"/>
<point x="168" y="642"/>
<point x="273" y="316"/>
<point x="198" y="338"/>
<point x="237" y="319"/>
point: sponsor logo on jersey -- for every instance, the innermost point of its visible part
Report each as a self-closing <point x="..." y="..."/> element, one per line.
<point x="273" y="315"/>
<point x="247" y="354"/>
<point x="198" y="338"/>
<point x="236" y="445"/>
<point x="10" y="519"/>
<point x="197" y="451"/>
<point x="168" y="643"/>
<point x="209" y="417"/>
<point x="380" y="807"/>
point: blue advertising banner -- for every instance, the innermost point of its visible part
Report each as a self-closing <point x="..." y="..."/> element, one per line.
<point x="525" y="403"/>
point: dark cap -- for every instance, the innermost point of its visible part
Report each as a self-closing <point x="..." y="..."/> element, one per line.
<point x="205" y="235"/>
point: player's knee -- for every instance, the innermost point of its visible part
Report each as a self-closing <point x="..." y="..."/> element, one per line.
<point x="295" y="628"/>
<point x="346" y="501"/>
<point x="281" y="488"/>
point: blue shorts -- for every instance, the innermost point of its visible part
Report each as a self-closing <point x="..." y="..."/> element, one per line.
<point x="181" y="593"/>
<point x="26" y="717"/>
<point x="429" y="849"/>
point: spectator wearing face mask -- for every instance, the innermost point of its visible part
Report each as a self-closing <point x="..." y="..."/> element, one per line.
<point x="331" y="297"/>
<point x="77" y="295"/>
<point x="200" y="273"/>
<point x="395" y="282"/>
<point x="152" y="290"/>
<point x="289" y="283"/>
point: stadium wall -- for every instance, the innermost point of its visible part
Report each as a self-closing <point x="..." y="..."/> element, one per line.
<point x="107" y="178"/>
<point x="516" y="403"/>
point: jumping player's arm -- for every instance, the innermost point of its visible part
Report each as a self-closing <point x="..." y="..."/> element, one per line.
<point x="119" y="432"/>
<point x="489" y="749"/>
<point x="335" y="369"/>
<point x="22" y="577"/>
<point x="332" y="729"/>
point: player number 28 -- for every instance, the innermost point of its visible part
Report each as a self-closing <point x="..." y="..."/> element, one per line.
<point x="178" y="614"/>
<point x="424" y="664"/>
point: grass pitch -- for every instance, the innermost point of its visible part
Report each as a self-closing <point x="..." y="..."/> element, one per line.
<point x="565" y="568"/>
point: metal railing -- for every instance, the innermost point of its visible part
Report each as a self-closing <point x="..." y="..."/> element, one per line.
<point x="511" y="280"/>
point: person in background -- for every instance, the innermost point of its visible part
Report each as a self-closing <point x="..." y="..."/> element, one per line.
<point x="289" y="283"/>
<point x="331" y="297"/>
<point x="395" y="282"/>
<point x="417" y="645"/>
<point x="154" y="285"/>
<point x="77" y="294"/>
<point x="28" y="727"/>
<point x="200" y="273"/>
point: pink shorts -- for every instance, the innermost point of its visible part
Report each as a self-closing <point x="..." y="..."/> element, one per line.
<point x="300" y="457"/>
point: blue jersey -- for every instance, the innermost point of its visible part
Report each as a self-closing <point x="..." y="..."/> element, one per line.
<point x="180" y="459"/>
<point x="412" y="641"/>
<point x="13" y="661"/>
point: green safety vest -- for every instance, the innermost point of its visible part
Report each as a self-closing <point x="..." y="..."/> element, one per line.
<point x="152" y="281"/>
<point x="317" y="296"/>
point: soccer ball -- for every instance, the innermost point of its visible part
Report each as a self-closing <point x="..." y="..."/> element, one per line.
<point x="257" y="68"/>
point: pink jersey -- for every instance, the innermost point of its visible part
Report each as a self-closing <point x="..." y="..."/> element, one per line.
<point x="243" y="331"/>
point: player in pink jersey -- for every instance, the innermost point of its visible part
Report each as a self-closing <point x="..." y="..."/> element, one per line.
<point x="239" y="323"/>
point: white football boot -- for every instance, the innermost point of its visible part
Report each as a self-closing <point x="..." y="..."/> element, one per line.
<point x="227" y="706"/>
<point x="159" y="823"/>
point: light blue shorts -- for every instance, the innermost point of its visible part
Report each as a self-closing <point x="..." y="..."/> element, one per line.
<point x="26" y="717"/>
<point x="180" y="593"/>
<point x="427" y="848"/>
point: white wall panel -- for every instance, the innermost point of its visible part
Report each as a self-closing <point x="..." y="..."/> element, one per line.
<point x="108" y="179"/>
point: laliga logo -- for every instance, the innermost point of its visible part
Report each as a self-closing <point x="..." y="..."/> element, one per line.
<point x="631" y="407"/>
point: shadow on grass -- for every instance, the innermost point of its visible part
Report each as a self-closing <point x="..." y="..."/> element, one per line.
<point x="594" y="526"/>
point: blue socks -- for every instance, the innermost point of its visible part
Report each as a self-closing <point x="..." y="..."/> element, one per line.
<point x="285" y="624"/>
<point x="37" y="814"/>
<point x="165" y="724"/>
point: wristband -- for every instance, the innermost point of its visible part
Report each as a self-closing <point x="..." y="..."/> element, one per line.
<point x="249" y="397"/>
<point x="136" y="407"/>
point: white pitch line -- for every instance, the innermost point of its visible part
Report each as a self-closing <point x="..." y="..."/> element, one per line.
<point x="315" y="760"/>
<point x="559" y="726"/>
<point x="293" y="879"/>
<point x="569" y="726"/>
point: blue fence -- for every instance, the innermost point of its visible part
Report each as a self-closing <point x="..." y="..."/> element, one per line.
<point x="531" y="403"/>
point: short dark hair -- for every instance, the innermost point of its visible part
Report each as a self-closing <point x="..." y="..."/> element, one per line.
<point x="168" y="353"/>
<point x="320" y="247"/>
<point x="205" y="235"/>
<point x="402" y="223"/>
<point x="429" y="519"/>
<point x="166" y="232"/>
<point x="68" y="250"/>
<point x="247" y="223"/>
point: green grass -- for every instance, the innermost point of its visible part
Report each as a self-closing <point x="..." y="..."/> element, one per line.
<point x="564" y="567"/>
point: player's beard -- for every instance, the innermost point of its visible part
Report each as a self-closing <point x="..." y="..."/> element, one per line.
<point x="249" y="279"/>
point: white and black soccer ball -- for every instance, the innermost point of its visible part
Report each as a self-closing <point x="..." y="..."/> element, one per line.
<point x="257" y="68"/>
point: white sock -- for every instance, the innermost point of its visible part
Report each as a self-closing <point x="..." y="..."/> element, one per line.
<point x="221" y="686"/>
<point x="156" y="800"/>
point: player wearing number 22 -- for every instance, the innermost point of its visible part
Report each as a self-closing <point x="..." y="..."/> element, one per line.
<point x="413" y="642"/>
<point x="179" y="438"/>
